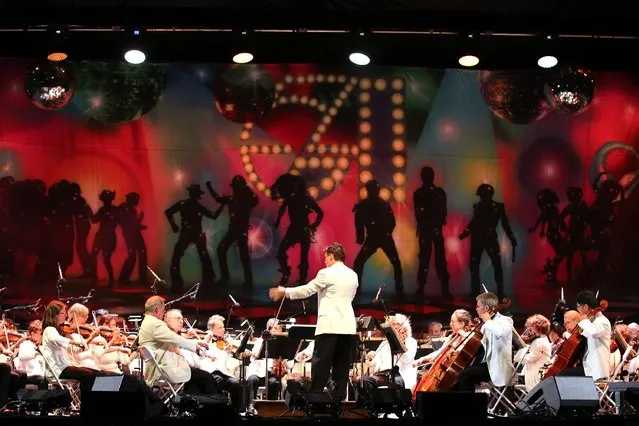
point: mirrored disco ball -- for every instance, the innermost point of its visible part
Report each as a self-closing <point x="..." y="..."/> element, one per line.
<point x="244" y="93"/>
<point x="571" y="90"/>
<point x="50" y="85"/>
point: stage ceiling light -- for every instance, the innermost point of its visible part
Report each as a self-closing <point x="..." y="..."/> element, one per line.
<point x="547" y="61"/>
<point x="243" y="58"/>
<point x="134" y="56"/>
<point x="57" y="56"/>
<point x="468" y="61"/>
<point x="359" y="58"/>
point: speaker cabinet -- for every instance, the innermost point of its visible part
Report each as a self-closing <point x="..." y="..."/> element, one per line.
<point x="439" y="406"/>
<point x="562" y="395"/>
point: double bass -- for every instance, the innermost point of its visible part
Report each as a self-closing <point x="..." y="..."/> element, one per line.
<point x="573" y="348"/>
<point x="455" y="357"/>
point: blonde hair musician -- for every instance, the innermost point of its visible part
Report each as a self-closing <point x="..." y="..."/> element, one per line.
<point x="459" y="323"/>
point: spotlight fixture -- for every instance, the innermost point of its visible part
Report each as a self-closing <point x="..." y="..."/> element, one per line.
<point x="359" y="58"/>
<point x="243" y="58"/>
<point x="57" y="56"/>
<point x="56" y="43"/>
<point x="547" y="61"/>
<point x="468" y="61"/>
<point x="134" y="56"/>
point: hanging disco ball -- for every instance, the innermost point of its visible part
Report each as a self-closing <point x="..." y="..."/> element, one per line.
<point x="571" y="90"/>
<point x="514" y="96"/>
<point x="50" y="85"/>
<point x="244" y="93"/>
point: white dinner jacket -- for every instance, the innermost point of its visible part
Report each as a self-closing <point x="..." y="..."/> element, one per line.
<point x="596" y="360"/>
<point x="498" y="341"/>
<point x="335" y="287"/>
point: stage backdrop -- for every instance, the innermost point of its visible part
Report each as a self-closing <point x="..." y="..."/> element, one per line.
<point x="102" y="131"/>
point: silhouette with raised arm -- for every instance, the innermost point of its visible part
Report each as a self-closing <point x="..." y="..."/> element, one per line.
<point x="429" y="203"/>
<point x="374" y="225"/>
<point x="551" y="228"/>
<point x="82" y="219"/>
<point x="132" y="227"/>
<point x="292" y="190"/>
<point x="191" y="212"/>
<point x="105" y="238"/>
<point x="577" y="210"/>
<point x="482" y="230"/>
<point x="240" y="205"/>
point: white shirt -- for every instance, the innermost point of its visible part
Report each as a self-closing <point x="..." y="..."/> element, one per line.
<point x="54" y="349"/>
<point x="533" y="358"/>
<point x="83" y="358"/>
<point x="335" y="286"/>
<point x="29" y="360"/>
<point x="498" y="342"/>
<point x="596" y="360"/>
<point x="257" y="367"/>
<point x="404" y="362"/>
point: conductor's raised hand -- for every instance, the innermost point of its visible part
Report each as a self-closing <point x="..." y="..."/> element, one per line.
<point x="276" y="293"/>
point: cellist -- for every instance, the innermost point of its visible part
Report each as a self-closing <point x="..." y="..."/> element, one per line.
<point x="597" y="330"/>
<point x="496" y="365"/>
<point x="459" y="322"/>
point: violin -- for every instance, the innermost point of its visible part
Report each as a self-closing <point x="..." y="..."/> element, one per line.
<point x="193" y="334"/>
<point x="279" y="368"/>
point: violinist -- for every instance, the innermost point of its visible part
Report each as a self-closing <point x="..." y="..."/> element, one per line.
<point x="155" y="335"/>
<point x="496" y="365"/>
<point x="29" y="359"/>
<point x="201" y="380"/>
<point x="54" y="346"/>
<point x="256" y="371"/>
<point x="459" y="323"/>
<point x="382" y="362"/>
<point x="537" y="352"/>
<point x="222" y="374"/>
<point x="10" y="380"/>
<point x="78" y="316"/>
<point x="597" y="330"/>
<point x="111" y="355"/>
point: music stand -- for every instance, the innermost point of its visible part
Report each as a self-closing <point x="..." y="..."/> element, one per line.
<point x="238" y="355"/>
<point x="276" y="347"/>
<point x="395" y="344"/>
<point x="364" y="325"/>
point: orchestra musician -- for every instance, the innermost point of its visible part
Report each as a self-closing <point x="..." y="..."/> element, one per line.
<point x="382" y="362"/>
<point x="223" y="359"/>
<point x="496" y="365"/>
<point x="336" y="286"/>
<point x="29" y="358"/>
<point x="112" y="355"/>
<point x="10" y="379"/>
<point x="459" y="323"/>
<point x="538" y="350"/>
<point x="155" y="335"/>
<point x="85" y="356"/>
<point x="256" y="371"/>
<point x="55" y="346"/>
<point x="597" y="331"/>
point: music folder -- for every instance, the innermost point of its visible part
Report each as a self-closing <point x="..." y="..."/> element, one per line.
<point x="302" y="331"/>
<point x="279" y="346"/>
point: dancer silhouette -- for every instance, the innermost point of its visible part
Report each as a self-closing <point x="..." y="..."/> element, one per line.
<point x="482" y="230"/>
<point x="551" y="228"/>
<point x="292" y="190"/>
<point x="429" y="202"/>
<point x="105" y="239"/>
<point x="374" y="225"/>
<point x="132" y="227"/>
<point x="82" y="219"/>
<point x="240" y="204"/>
<point x="191" y="212"/>
<point x="577" y="210"/>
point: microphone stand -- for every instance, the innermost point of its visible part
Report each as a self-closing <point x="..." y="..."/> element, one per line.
<point x="31" y="307"/>
<point x="61" y="281"/>
<point x="190" y="294"/>
<point x="81" y="299"/>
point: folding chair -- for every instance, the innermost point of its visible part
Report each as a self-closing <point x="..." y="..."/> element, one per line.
<point x="73" y="386"/>
<point x="164" y="388"/>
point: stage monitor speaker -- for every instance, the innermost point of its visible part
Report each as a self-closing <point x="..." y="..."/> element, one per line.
<point x="106" y="399"/>
<point x="44" y="400"/>
<point x="206" y="408"/>
<point x="385" y="400"/>
<point x="440" y="406"/>
<point x="562" y="395"/>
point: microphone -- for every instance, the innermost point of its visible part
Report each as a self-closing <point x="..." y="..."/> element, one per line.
<point x="303" y="308"/>
<point x="36" y="306"/>
<point x="195" y="291"/>
<point x="3" y="292"/>
<point x="235" y="304"/>
<point x="379" y="290"/>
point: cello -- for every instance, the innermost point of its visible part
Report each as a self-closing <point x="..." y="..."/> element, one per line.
<point x="457" y="355"/>
<point x="573" y="348"/>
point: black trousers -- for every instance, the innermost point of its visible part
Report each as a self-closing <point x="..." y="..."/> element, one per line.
<point x="201" y="383"/>
<point x="383" y="379"/>
<point x="573" y="371"/>
<point x="77" y="373"/>
<point x="10" y="382"/>
<point x="331" y="358"/>
<point x="255" y="381"/>
<point x="471" y="376"/>
<point x="232" y="386"/>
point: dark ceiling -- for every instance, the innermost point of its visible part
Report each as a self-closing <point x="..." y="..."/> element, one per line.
<point x="600" y="35"/>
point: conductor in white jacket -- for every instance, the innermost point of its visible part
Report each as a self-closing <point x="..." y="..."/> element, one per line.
<point x="497" y="365"/>
<point x="335" y="286"/>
